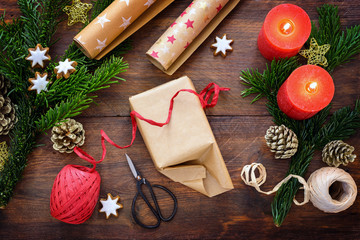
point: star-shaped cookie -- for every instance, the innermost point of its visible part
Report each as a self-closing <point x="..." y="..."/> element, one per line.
<point x="65" y="68"/>
<point x="316" y="53"/>
<point x="38" y="83"/>
<point x="38" y="55"/>
<point x="110" y="205"/>
<point x="77" y="12"/>
<point x="222" y="45"/>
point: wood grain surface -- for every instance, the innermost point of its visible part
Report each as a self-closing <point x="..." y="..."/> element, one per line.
<point x="238" y="127"/>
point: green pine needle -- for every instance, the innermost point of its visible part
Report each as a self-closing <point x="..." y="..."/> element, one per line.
<point x="344" y="44"/>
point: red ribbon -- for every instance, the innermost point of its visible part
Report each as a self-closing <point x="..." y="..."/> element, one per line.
<point x="204" y="98"/>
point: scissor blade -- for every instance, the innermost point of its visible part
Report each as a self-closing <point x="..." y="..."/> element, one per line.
<point x="132" y="167"/>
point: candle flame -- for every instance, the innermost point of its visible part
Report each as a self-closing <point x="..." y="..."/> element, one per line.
<point x="286" y="26"/>
<point x="311" y="87"/>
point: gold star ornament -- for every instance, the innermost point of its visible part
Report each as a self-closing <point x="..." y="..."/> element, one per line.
<point x="316" y="53"/>
<point x="77" y="12"/>
<point x="4" y="155"/>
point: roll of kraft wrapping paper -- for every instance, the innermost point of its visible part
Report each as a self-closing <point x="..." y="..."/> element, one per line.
<point x="116" y="23"/>
<point x="188" y="31"/>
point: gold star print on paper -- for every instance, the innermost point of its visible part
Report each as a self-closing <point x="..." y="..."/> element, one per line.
<point x="77" y="12"/>
<point x="316" y="53"/>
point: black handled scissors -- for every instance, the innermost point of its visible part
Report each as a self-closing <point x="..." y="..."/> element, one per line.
<point x="156" y="211"/>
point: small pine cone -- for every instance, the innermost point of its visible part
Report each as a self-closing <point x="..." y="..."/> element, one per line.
<point x="4" y="84"/>
<point x="282" y="141"/>
<point x="68" y="135"/>
<point x="337" y="152"/>
<point x="7" y="115"/>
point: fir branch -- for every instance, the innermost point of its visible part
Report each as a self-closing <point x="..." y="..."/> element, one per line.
<point x="83" y="81"/>
<point x="65" y="109"/>
<point x="72" y="103"/>
<point x="270" y="80"/>
<point x="12" y="52"/>
<point x="344" y="44"/>
<point x="22" y="142"/>
<point x="284" y="196"/>
<point x="41" y="18"/>
<point x="38" y="25"/>
<point x="103" y="74"/>
<point x="342" y="125"/>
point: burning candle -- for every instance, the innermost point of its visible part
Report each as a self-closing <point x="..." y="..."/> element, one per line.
<point x="307" y="90"/>
<point x="285" y="30"/>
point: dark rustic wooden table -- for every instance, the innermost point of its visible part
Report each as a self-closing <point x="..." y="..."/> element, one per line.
<point x="238" y="127"/>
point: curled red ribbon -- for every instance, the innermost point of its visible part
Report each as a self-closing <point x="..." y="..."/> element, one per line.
<point x="204" y="98"/>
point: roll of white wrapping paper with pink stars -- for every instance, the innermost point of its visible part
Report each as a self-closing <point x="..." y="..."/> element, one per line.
<point x="179" y="36"/>
<point x="102" y="34"/>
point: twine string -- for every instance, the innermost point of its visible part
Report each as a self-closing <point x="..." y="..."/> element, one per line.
<point x="250" y="179"/>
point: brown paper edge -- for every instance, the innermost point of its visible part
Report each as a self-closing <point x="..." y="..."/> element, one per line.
<point x="82" y="48"/>
<point x="149" y="14"/>
<point x="198" y="40"/>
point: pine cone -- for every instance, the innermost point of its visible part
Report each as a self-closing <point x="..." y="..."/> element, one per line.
<point x="337" y="152"/>
<point x="67" y="136"/>
<point x="4" y="84"/>
<point x="282" y="141"/>
<point x="7" y="115"/>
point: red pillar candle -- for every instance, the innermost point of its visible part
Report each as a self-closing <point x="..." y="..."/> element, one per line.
<point x="285" y="30"/>
<point x="307" y="90"/>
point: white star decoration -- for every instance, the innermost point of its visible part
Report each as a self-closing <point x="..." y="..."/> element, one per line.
<point x="102" y="20"/>
<point x="192" y="11"/>
<point x="126" y="22"/>
<point x="222" y="45"/>
<point x="81" y="41"/>
<point x="65" y="68"/>
<point x="110" y="205"/>
<point x="148" y="3"/>
<point x="38" y="55"/>
<point x="126" y="1"/>
<point x="165" y="49"/>
<point x="101" y="44"/>
<point x="39" y="83"/>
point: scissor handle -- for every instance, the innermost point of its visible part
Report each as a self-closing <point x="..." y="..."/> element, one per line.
<point x="156" y="212"/>
<point x="175" y="204"/>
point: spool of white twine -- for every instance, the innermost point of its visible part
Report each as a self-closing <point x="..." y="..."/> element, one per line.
<point x="316" y="189"/>
<point x="341" y="183"/>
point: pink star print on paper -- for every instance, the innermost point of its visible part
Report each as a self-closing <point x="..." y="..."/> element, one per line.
<point x="173" y="24"/>
<point x="183" y="13"/>
<point x="189" y="24"/>
<point x="187" y="44"/>
<point x="155" y="54"/>
<point x="219" y="8"/>
<point x="171" y="39"/>
<point x="191" y="4"/>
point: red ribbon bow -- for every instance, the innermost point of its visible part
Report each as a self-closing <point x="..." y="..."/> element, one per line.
<point x="204" y="97"/>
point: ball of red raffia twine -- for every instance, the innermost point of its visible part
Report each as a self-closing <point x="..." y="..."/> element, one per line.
<point x="76" y="189"/>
